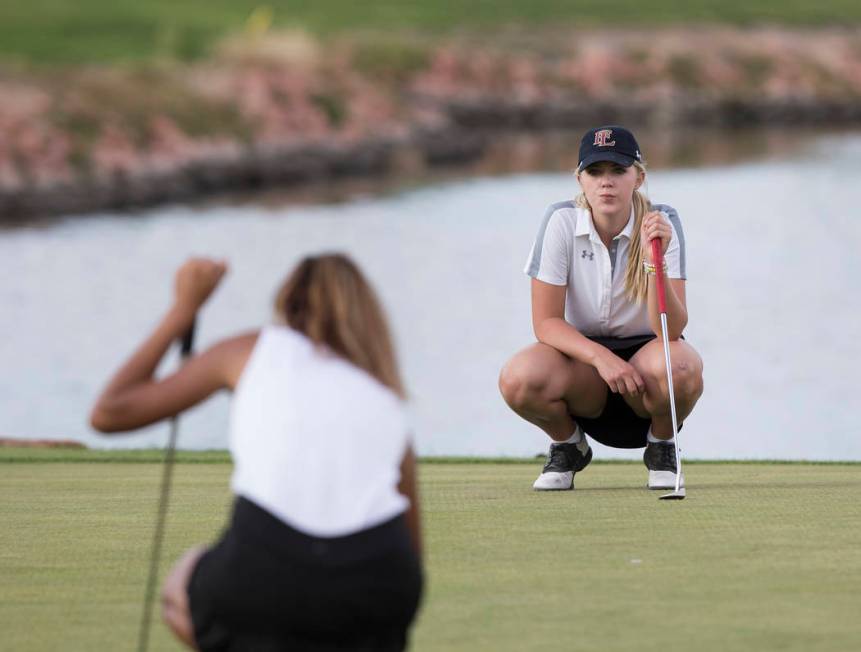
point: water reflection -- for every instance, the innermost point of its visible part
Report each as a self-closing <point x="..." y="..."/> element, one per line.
<point x="549" y="151"/>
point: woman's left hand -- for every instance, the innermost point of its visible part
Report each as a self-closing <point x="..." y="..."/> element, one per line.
<point x="655" y="225"/>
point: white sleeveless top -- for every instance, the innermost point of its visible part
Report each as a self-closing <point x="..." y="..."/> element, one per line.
<point x="315" y="440"/>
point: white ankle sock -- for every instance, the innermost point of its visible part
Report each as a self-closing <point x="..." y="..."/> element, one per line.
<point x="654" y="440"/>
<point x="576" y="438"/>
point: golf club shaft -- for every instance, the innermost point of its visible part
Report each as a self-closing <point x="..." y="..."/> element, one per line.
<point x="186" y="345"/>
<point x="658" y="259"/>
<point x="672" y="398"/>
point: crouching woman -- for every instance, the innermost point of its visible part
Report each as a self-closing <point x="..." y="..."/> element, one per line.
<point x="323" y="547"/>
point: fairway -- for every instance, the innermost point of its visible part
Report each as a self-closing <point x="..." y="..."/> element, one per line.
<point x="759" y="556"/>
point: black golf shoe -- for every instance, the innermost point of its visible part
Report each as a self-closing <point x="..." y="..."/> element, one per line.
<point x="563" y="461"/>
<point x="660" y="459"/>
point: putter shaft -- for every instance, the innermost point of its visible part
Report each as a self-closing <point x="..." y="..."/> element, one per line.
<point x="672" y="393"/>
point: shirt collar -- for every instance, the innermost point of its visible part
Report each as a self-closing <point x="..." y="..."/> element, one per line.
<point x="584" y="222"/>
<point x="585" y="226"/>
<point x="629" y="227"/>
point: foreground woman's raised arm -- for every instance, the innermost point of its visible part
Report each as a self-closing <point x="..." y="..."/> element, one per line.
<point x="134" y="398"/>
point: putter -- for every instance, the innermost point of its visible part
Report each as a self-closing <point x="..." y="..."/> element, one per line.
<point x="186" y="344"/>
<point x="658" y="258"/>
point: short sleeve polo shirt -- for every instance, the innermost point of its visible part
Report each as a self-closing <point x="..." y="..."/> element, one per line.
<point x="568" y="251"/>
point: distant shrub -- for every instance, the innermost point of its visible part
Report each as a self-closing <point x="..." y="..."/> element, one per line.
<point x="755" y="67"/>
<point x="333" y="105"/>
<point x="390" y="61"/>
<point x="685" y="71"/>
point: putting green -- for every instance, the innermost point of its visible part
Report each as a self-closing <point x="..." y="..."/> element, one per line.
<point x="759" y="556"/>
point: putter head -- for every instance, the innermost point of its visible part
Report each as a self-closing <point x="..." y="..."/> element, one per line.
<point x="674" y="495"/>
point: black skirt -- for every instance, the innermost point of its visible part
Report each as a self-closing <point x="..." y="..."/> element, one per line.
<point x="266" y="586"/>
<point x="618" y="425"/>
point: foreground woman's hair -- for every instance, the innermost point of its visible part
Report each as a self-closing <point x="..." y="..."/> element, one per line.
<point x="328" y="299"/>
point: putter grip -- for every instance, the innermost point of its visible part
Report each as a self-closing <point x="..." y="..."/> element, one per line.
<point x="187" y="341"/>
<point x="658" y="260"/>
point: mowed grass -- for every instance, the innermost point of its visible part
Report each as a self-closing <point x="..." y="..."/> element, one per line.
<point x="759" y="556"/>
<point x="62" y="31"/>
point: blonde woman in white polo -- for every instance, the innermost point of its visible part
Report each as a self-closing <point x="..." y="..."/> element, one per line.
<point x="597" y="367"/>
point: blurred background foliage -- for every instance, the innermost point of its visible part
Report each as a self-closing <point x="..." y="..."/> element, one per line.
<point x="105" y="31"/>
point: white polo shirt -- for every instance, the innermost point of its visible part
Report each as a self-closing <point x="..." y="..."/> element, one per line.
<point x="568" y="251"/>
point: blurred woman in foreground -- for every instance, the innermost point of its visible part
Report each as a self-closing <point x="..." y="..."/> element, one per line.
<point x="323" y="549"/>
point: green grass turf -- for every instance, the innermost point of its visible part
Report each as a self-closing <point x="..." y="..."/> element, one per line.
<point x="61" y="31"/>
<point x="759" y="556"/>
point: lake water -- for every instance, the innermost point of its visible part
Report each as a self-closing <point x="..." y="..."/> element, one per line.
<point x="773" y="262"/>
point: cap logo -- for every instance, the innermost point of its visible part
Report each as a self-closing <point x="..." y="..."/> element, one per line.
<point x="602" y="138"/>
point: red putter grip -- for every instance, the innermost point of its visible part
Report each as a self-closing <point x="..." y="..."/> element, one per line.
<point x="658" y="260"/>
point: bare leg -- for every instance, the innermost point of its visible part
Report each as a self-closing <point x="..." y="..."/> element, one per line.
<point x="174" y="597"/>
<point x="546" y="388"/>
<point x="687" y="382"/>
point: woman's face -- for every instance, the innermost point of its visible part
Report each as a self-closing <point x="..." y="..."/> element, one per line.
<point x="609" y="186"/>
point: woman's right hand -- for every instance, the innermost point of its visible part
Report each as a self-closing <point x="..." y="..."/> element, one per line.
<point x="621" y="377"/>
<point x="195" y="281"/>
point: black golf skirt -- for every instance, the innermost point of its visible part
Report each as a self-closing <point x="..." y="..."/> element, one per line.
<point x="266" y="586"/>
<point x="618" y="425"/>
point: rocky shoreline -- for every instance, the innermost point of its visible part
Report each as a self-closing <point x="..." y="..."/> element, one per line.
<point x="283" y="113"/>
<point x="235" y="169"/>
<point x="472" y="126"/>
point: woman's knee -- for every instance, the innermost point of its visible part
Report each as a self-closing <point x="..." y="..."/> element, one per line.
<point x="174" y="596"/>
<point x="689" y="367"/>
<point x="179" y="622"/>
<point x="525" y="378"/>
<point x="687" y="377"/>
<point x="175" y="587"/>
<point x="687" y="380"/>
<point x="519" y="384"/>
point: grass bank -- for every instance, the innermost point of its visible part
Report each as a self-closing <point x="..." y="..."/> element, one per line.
<point x="760" y="556"/>
<point x="99" y="31"/>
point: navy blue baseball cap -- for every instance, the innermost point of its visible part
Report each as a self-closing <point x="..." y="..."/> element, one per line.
<point x="609" y="143"/>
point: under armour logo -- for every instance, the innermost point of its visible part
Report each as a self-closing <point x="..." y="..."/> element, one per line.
<point x="602" y="138"/>
<point x="587" y="254"/>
